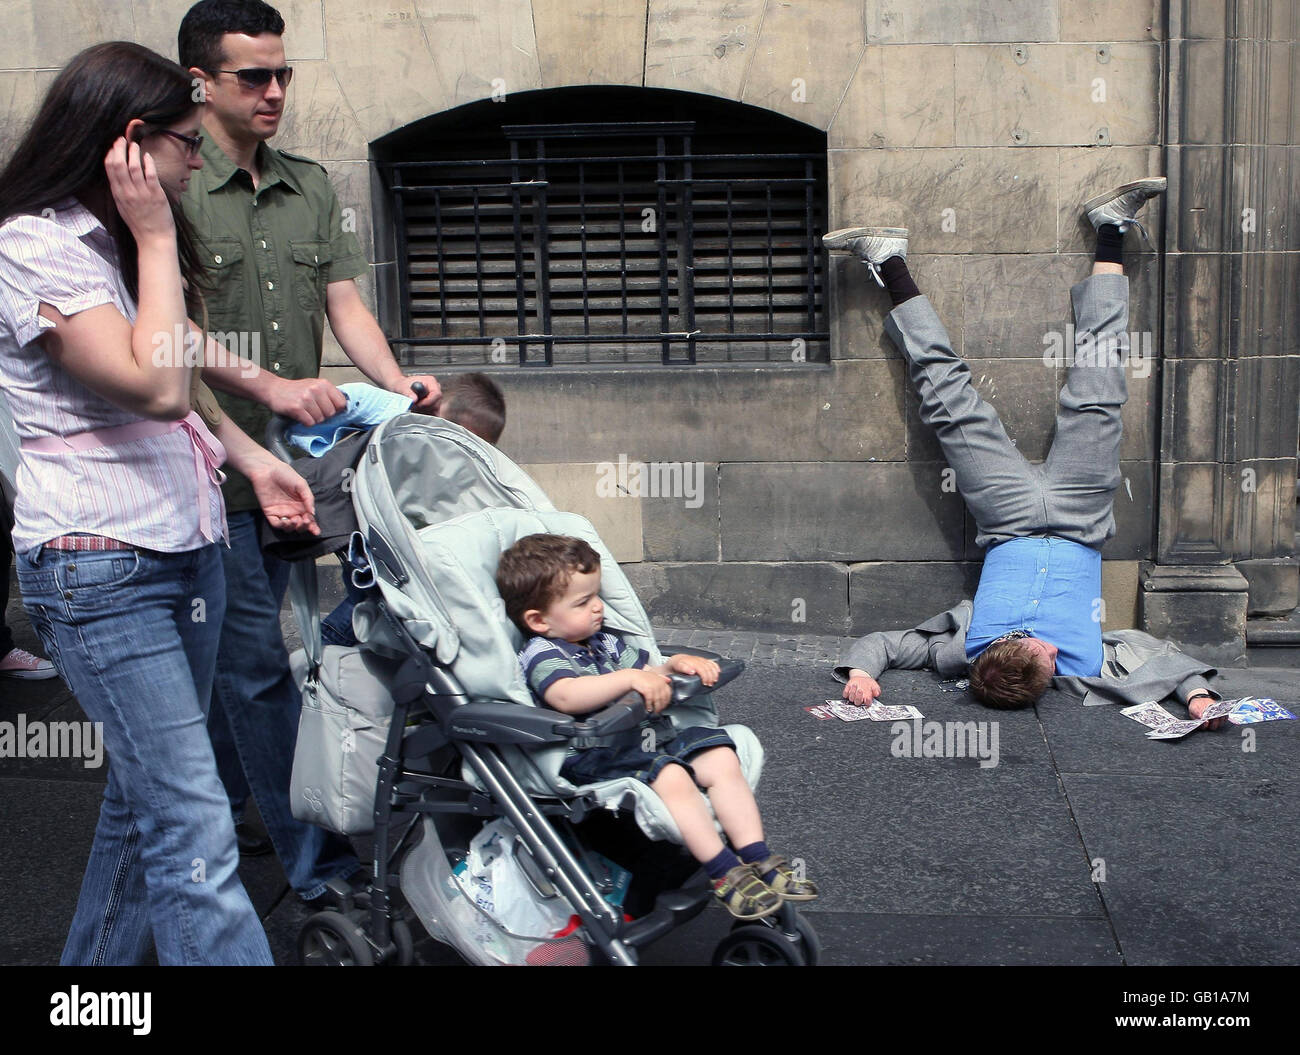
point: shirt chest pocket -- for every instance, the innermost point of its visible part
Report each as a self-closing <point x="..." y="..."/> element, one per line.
<point x="225" y="263"/>
<point x="311" y="270"/>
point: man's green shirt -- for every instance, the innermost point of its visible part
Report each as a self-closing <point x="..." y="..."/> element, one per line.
<point x="270" y="254"/>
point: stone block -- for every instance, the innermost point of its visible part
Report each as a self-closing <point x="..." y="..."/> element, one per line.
<point x="1089" y="171"/>
<point x="809" y="598"/>
<point x="1001" y="201"/>
<point x="318" y="122"/>
<point x="1017" y="307"/>
<point x="1119" y="591"/>
<point x="1191" y="422"/>
<point x="1196" y="512"/>
<point x="479" y="46"/>
<point x="838" y="511"/>
<point x="1057" y="94"/>
<point x="590" y="41"/>
<point x="858" y="306"/>
<point x="1205" y="19"/>
<point x="1265" y="524"/>
<point x="897" y="595"/>
<point x="365" y="40"/>
<point x="20" y="95"/>
<point x="1200" y="206"/>
<point x="1274" y="585"/>
<point x="1135" y="514"/>
<point x="1141" y="424"/>
<point x="1202" y="609"/>
<point x="1280" y="78"/>
<point x="1204" y="67"/>
<point x="960" y="21"/>
<point x="701" y="49"/>
<point x="616" y="517"/>
<point x="678" y="529"/>
<point x="713" y="414"/>
<point x="900" y="96"/>
<point x="1267" y="392"/>
<point x="1272" y="207"/>
<point x="1193" y="304"/>
<point x="804" y="58"/>
<point x="1109" y="20"/>
<point x="351" y="182"/>
<point x="51" y="32"/>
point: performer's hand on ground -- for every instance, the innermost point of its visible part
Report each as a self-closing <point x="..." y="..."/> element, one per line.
<point x="862" y="690"/>
<point x="1196" y="708"/>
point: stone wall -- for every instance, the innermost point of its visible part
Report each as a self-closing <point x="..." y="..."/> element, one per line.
<point x="979" y="126"/>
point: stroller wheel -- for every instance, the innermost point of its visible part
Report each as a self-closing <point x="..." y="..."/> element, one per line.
<point x="757" y="945"/>
<point x="330" y="939"/>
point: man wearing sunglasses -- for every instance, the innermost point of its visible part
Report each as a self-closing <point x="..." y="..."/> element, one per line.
<point x="280" y="262"/>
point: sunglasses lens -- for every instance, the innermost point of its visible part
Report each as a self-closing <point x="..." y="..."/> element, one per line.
<point x="260" y="76"/>
<point x="255" y="77"/>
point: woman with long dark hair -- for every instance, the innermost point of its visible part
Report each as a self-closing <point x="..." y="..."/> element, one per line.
<point x="119" y="509"/>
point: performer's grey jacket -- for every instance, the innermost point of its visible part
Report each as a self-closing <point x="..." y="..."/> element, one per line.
<point x="1137" y="667"/>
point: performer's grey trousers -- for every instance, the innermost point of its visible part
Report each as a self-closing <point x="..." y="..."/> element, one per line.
<point x="1071" y="495"/>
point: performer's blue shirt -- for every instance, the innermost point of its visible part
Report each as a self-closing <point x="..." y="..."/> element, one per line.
<point x="1050" y="587"/>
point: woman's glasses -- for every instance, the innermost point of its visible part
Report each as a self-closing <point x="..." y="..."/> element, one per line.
<point x="193" y="143"/>
<point x="257" y="77"/>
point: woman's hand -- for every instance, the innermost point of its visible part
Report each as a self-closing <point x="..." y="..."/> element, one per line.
<point x="284" y="496"/>
<point x="139" y="196"/>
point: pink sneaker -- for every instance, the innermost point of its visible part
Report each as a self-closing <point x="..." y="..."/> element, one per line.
<point x="18" y="663"/>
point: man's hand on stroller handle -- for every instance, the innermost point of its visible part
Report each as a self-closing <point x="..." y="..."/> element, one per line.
<point x="308" y="401"/>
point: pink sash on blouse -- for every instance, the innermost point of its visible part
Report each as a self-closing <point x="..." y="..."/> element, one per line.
<point x="209" y="452"/>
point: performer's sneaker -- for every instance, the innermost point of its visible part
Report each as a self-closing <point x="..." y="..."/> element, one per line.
<point x="872" y="245"/>
<point x="1120" y="206"/>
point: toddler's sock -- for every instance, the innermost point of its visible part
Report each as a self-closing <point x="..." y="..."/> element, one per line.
<point x="755" y="852"/>
<point x="722" y="864"/>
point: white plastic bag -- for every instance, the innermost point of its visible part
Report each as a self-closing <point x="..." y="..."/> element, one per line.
<point x="495" y="880"/>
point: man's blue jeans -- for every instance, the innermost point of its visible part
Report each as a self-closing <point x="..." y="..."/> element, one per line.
<point x="134" y="634"/>
<point x="255" y="706"/>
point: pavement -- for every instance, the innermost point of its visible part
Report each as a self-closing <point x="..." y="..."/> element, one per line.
<point x="1084" y="844"/>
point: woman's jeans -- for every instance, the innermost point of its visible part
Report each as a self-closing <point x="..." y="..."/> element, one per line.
<point x="134" y="634"/>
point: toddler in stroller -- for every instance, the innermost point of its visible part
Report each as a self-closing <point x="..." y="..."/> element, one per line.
<point x="426" y="730"/>
<point x="551" y="588"/>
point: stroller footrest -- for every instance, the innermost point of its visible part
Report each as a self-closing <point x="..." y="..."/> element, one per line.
<point x="672" y="909"/>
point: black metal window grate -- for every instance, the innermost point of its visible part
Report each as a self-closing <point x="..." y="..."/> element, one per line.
<point x="609" y="243"/>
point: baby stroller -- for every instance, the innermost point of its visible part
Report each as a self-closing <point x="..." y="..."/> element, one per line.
<point x="426" y="735"/>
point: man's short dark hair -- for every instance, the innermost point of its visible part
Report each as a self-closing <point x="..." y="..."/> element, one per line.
<point x="1009" y="675"/>
<point x="536" y="570"/>
<point x="474" y="402"/>
<point x="199" y="39"/>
